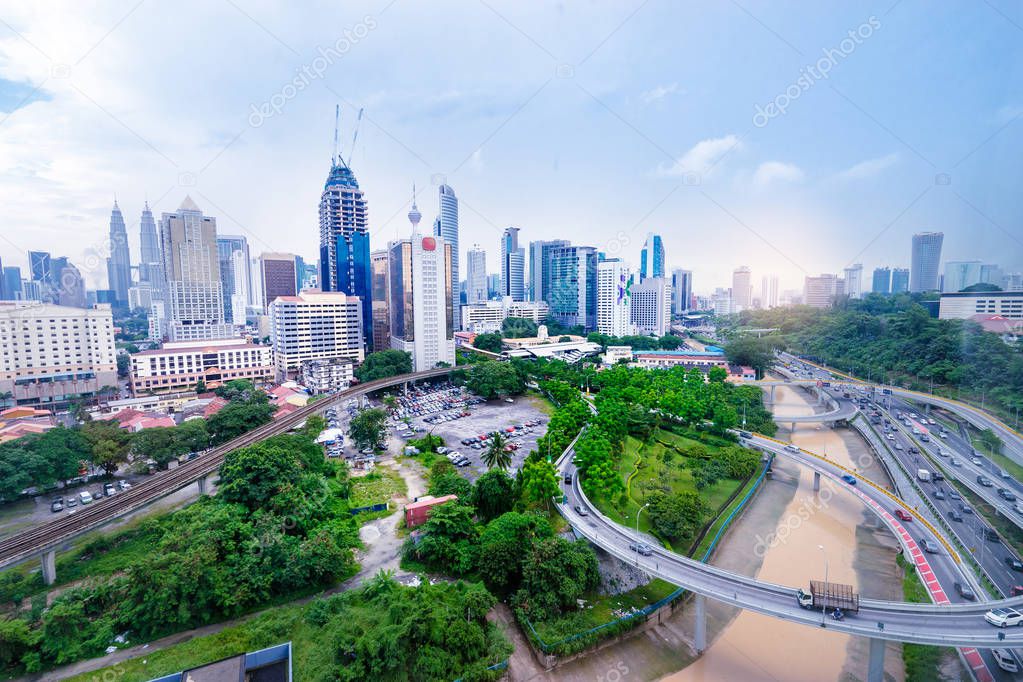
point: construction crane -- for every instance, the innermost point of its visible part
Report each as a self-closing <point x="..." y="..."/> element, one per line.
<point x="355" y="136"/>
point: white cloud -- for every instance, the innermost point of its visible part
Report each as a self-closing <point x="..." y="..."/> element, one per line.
<point x="702" y="157"/>
<point x="771" y="172"/>
<point x="870" y="167"/>
<point x="659" y="93"/>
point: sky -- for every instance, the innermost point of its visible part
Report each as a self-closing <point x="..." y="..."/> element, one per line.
<point x="795" y="138"/>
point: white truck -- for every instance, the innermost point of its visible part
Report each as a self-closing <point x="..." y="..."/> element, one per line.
<point x="923" y="475"/>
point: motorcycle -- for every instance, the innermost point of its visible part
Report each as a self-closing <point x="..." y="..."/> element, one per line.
<point x="838" y="615"/>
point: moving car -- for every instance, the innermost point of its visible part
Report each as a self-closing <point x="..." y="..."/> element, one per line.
<point x="792" y="448"/>
<point x="1007" y="494"/>
<point x="641" y="548"/>
<point x="1014" y="563"/>
<point x="1004" y="617"/>
<point x="1005" y="660"/>
<point x="849" y="478"/>
<point x="984" y="481"/>
<point x="964" y="591"/>
<point x="955" y="516"/>
<point x="903" y="515"/>
<point x="928" y="546"/>
<point x="581" y="511"/>
<point x="939" y="494"/>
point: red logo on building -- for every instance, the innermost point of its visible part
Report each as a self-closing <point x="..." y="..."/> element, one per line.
<point x="429" y="244"/>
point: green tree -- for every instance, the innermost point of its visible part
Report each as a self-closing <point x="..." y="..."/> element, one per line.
<point x="451" y="483"/>
<point x="717" y="374"/>
<point x="16" y="640"/>
<point x="252" y="475"/>
<point x="496" y="455"/>
<point x="670" y="342"/>
<point x="991" y="440"/>
<point x="368" y="427"/>
<point x="676" y="516"/>
<point x="108" y="444"/>
<point x="504" y="544"/>
<point x="539" y="482"/>
<point x="518" y="328"/>
<point x="555" y="573"/>
<point x="123" y="365"/>
<point x="383" y="364"/>
<point x="488" y="342"/>
<point x="493" y="494"/>
<point x="449" y="540"/>
<point x="492" y="379"/>
<point x="751" y="351"/>
<point x="238" y="417"/>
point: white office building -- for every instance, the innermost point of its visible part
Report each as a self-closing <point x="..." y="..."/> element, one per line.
<point x="965" y="304"/>
<point x="476" y="275"/>
<point x="614" y="305"/>
<point x="487" y="317"/>
<point x="854" y="281"/>
<point x="315" y="325"/>
<point x="54" y="353"/>
<point x="513" y="265"/>
<point x="181" y="365"/>
<point x="821" y="291"/>
<point x="742" y="289"/>
<point x="651" y="306"/>
<point x="769" y="291"/>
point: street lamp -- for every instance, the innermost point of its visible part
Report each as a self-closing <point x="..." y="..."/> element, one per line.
<point x="638" y="536"/>
<point x="824" y="601"/>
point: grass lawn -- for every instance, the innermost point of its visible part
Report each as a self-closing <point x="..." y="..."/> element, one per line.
<point x="1014" y="469"/>
<point x="923" y="662"/>
<point x="379" y="485"/>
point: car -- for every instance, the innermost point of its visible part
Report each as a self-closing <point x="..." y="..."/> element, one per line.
<point x="1006" y="475"/>
<point x="964" y="591"/>
<point x="85" y="497"/>
<point x="890" y="436"/>
<point x="1004" y="617"/>
<point x="1005" y="660"/>
<point x="124" y="485"/>
<point x="792" y="448"/>
<point x="71" y="502"/>
<point x="1007" y="494"/>
<point x="966" y="509"/>
<point x="581" y="511"/>
<point x="1014" y="563"/>
<point x="509" y="400"/>
<point x="984" y="481"/>
<point x="1016" y="590"/>
<point x="849" y="478"/>
<point x="954" y="495"/>
<point x="975" y="460"/>
<point x="109" y="489"/>
<point x="954" y="462"/>
<point x="568" y="478"/>
<point x="954" y="515"/>
<point x="745" y="434"/>
<point x="57" y="505"/>
<point x="898" y="446"/>
<point x="902" y="514"/>
<point x="943" y="434"/>
<point x="939" y="494"/>
<point x="641" y="548"/>
<point x="928" y="546"/>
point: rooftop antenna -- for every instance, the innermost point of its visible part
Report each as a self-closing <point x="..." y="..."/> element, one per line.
<point x="358" y="121"/>
<point x="336" y="155"/>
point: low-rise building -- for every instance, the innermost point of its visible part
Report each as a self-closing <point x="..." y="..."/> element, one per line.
<point x="183" y="364"/>
<point x="417" y="512"/>
<point x="16" y="422"/>
<point x="487" y="316"/>
<point x="615" y="354"/>
<point x="962" y="305"/>
<point x="327" y="376"/>
<point x="653" y="359"/>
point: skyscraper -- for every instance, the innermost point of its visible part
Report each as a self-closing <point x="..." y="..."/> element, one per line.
<point x="150" y="261"/>
<point x="614" y="311"/>
<point x="476" y="274"/>
<point x="651" y="258"/>
<point x="742" y="289"/>
<point x="854" y="281"/>
<point x="964" y="273"/>
<point x="820" y="292"/>
<point x="651" y="306"/>
<point x="446" y="226"/>
<point x="926" y="261"/>
<point x="573" y="294"/>
<point x="539" y="284"/>
<point x="277" y="274"/>
<point x="12" y="283"/>
<point x="233" y="257"/>
<point x="513" y="261"/>
<point x="381" y="313"/>
<point x="881" y="282"/>
<point x="119" y="260"/>
<point x="421" y="301"/>
<point x="769" y="291"/>
<point x="681" y="291"/>
<point x="191" y="305"/>
<point x="71" y="288"/>
<point x="344" y="239"/>
<point x="900" y="280"/>
<point x="39" y="266"/>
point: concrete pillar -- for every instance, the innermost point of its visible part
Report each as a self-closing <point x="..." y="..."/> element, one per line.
<point x="700" y="630"/>
<point x="772" y="392"/>
<point x="202" y="485"/>
<point x="875" y="666"/>
<point x="49" y="561"/>
<point x="816" y="481"/>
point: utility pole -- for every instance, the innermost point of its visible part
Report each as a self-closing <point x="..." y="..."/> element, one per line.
<point x="824" y="601"/>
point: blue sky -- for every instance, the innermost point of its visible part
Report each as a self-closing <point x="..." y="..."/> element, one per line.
<point x="593" y="121"/>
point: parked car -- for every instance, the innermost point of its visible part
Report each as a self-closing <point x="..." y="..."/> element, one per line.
<point x="85" y="497"/>
<point x="57" y="505"/>
<point x="109" y="489"/>
<point x="71" y="502"/>
<point x="124" y="485"/>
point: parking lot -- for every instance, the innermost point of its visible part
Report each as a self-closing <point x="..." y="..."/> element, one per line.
<point x="483" y="418"/>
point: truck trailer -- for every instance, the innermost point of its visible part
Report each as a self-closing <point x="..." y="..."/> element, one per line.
<point x="829" y="596"/>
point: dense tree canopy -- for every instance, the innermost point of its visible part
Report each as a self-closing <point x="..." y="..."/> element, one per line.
<point x="492" y="379"/>
<point x="368" y="427"/>
<point x="383" y="364"/>
<point x="489" y="342"/>
<point x="518" y="327"/>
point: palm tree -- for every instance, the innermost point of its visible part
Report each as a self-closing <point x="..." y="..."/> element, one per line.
<point x="495" y="455"/>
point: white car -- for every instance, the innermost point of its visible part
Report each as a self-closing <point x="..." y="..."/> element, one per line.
<point x="1003" y="617"/>
<point x="792" y="448"/>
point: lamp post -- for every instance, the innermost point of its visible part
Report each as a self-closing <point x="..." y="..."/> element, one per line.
<point x="638" y="536"/>
<point x="824" y="603"/>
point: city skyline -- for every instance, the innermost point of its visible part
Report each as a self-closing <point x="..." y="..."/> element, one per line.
<point x="750" y="192"/>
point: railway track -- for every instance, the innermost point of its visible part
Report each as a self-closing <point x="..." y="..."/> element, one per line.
<point x="54" y="533"/>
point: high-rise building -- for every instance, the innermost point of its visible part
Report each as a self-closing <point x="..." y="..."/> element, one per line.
<point x="12" y="283"/>
<point x="513" y="262"/>
<point x="494" y="285"/>
<point x="900" y="280"/>
<point x="742" y="289"/>
<point x="277" y="274"/>
<point x="315" y="325"/>
<point x="40" y="366"/>
<point x="446" y="226"/>
<point x="854" y="281"/>
<point x="881" y="283"/>
<point x="344" y="239"/>
<point x="926" y="261"/>
<point x="70" y="290"/>
<point x="119" y="260"/>
<point x="39" y="266"/>
<point x="192" y="297"/>
<point x="539" y="285"/>
<point x="651" y="306"/>
<point x="769" y="291"/>
<point x="614" y="305"/>
<point x="476" y="275"/>
<point x="681" y="291"/>
<point x="960" y="274"/>
<point x="721" y="301"/>
<point x="150" y="262"/>
<point x="651" y="258"/>
<point x="421" y="300"/>
<point x="381" y="314"/>
<point x="233" y="257"/>
<point x="821" y="291"/>
<point x="573" y="286"/>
